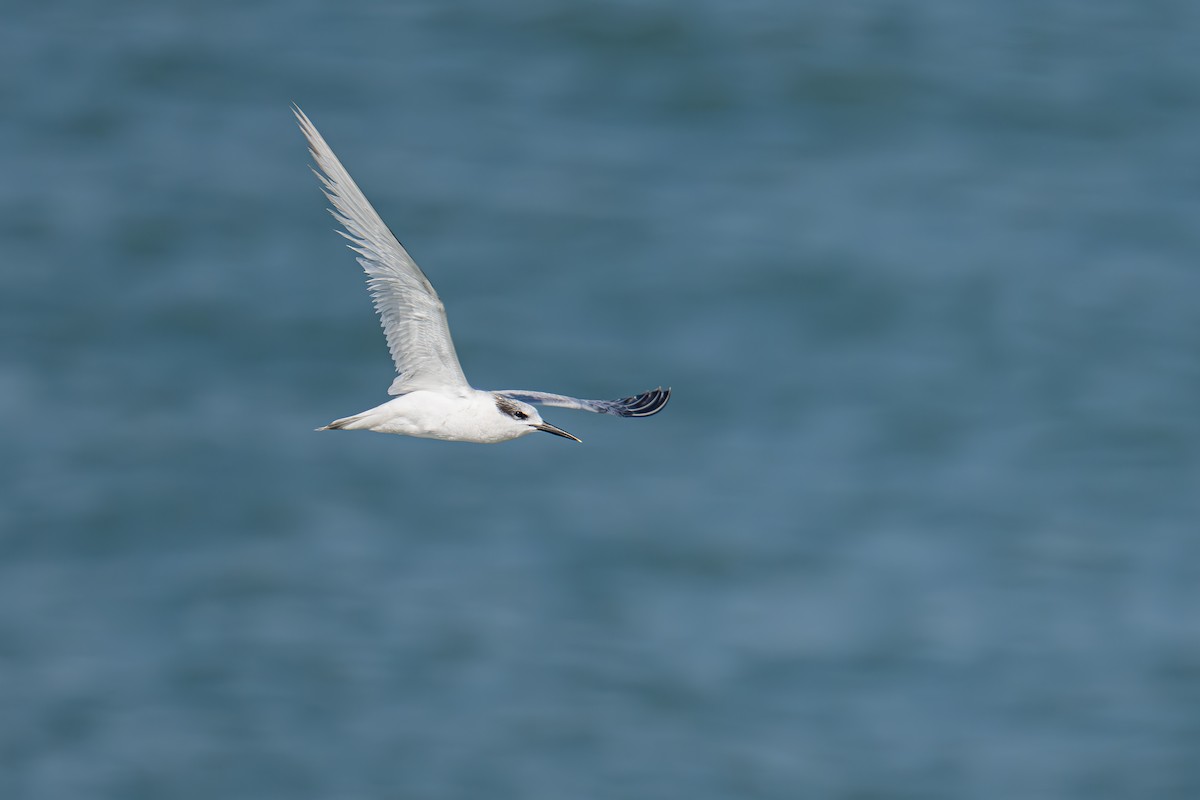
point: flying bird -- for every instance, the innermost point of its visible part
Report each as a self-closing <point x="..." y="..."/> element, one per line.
<point x="432" y="398"/>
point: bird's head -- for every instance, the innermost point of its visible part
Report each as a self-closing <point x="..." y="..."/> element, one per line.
<point x="526" y="417"/>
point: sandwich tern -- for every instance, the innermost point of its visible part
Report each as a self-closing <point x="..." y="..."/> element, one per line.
<point x="432" y="397"/>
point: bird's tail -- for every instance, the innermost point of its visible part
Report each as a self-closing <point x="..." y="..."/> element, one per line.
<point x="344" y="424"/>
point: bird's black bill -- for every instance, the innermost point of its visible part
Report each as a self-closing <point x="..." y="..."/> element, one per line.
<point x="548" y="428"/>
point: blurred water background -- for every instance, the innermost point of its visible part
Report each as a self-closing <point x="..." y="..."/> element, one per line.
<point x="920" y="521"/>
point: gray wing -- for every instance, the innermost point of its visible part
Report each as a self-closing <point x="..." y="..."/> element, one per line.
<point x="640" y="405"/>
<point x="412" y="314"/>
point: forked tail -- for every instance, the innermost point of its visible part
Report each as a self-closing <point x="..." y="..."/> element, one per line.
<point x="345" y="423"/>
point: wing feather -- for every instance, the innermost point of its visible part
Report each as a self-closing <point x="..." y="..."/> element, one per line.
<point x="640" y="405"/>
<point x="410" y="311"/>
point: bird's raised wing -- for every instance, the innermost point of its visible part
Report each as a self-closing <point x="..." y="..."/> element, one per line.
<point x="412" y="315"/>
<point x="641" y="405"/>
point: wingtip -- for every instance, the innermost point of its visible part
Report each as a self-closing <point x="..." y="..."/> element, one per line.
<point x="646" y="404"/>
<point x="307" y="128"/>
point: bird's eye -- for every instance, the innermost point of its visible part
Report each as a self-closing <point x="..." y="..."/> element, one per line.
<point x="520" y="415"/>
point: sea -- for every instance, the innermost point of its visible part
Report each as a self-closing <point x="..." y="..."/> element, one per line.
<point x="921" y="520"/>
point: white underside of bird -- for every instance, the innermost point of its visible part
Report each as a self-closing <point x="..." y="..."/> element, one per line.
<point x="467" y="417"/>
<point x="432" y="397"/>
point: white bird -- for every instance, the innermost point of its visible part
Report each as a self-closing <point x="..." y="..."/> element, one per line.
<point x="433" y="399"/>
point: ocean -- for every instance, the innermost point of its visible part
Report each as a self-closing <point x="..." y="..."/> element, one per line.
<point x="921" y="520"/>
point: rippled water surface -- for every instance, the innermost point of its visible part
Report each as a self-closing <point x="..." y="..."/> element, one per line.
<point x="920" y="521"/>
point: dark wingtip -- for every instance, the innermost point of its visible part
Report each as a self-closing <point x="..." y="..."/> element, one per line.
<point x="646" y="404"/>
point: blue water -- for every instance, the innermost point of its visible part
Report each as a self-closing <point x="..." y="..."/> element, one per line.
<point x="922" y="519"/>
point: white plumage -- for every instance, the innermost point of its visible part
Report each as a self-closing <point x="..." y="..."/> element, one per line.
<point x="434" y="399"/>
